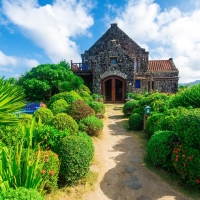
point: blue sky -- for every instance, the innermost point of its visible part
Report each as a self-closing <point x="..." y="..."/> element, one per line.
<point x="34" y="32"/>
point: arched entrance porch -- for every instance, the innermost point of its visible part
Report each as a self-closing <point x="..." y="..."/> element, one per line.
<point x="113" y="88"/>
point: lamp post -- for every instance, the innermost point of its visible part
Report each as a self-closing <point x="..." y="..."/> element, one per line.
<point x="147" y="110"/>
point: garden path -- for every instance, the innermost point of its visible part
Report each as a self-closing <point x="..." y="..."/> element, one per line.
<point x="122" y="172"/>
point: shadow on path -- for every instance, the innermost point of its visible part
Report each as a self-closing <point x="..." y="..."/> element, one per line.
<point x="130" y="179"/>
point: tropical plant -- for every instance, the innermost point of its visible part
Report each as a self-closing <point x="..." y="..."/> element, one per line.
<point x="11" y="101"/>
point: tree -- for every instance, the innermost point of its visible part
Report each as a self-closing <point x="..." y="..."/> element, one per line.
<point x="45" y="80"/>
<point x="11" y="100"/>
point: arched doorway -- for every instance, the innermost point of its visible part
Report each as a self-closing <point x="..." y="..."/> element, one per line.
<point x="113" y="88"/>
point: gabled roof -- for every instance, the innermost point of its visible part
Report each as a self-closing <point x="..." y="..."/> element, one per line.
<point x="161" y="65"/>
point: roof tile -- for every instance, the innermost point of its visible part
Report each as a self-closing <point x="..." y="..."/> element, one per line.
<point x="159" y="65"/>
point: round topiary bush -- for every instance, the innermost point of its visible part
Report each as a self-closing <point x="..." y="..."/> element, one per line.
<point x="129" y="106"/>
<point x="151" y="123"/>
<point x="91" y="125"/>
<point x="186" y="161"/>
<point x="64" y="122"/>
<point x="59" y="106"/>
<point x="139" y="110"/>
<point x="50" y="169"/>
<point x="44" y="114"/>
<point x="136" y="122"/>
<point x="21" y="193"/>
<point x="79" y="110"/>
<point x="69" y="97"/>
<point x="75" y="154"/>
<point x="98" y="107"/>
<point x="160" y="147"/>
<point x="187" y="127"/>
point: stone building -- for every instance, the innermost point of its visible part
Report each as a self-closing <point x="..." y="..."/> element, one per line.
<point x="115" y="65"/>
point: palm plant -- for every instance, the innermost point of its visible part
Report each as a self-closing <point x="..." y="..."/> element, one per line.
<point x="11" y="101"/>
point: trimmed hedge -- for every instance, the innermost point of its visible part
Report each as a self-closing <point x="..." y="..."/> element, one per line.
<point x="59" y="106"/>
<point x="136" y="122"/>
<point x="44" y="114"/>
<point x="187" y="127"/>
<point x="75" y="153"/>
<point x="64" y="122"/>
<point x="98" y="107"/>
<point x="129" y="106"/>
<point x="160" y="147"/>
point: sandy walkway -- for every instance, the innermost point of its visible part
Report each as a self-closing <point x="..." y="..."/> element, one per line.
<point x="122" y="175"/>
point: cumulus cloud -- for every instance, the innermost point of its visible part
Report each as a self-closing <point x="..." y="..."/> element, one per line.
<point x="51" y="27"/>
<point x="9" y="64"/>
<point x="167" y="33"/>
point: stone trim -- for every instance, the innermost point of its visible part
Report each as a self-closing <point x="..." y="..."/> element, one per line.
<point x="113" y="73"/>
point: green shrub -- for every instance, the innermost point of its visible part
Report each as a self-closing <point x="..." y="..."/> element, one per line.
<point x="11" y="135"/>
<point x="91" y="125"/>
<point x="75" y="154"/>
<point x="187" y="97"/>
<point x="139" y="110"/>
<point x="69" y="97"/>
<point x="44" y="114"/>
<point x="158" y="105"/>
<point x="186" y="161"/>
<point x="21" y="193"/>
<point x="152" y="97"/>
<point x="160" y="147"/>
<point x="151" y="123"/>
<point x="79" y="110"/>
<point x="136" y="122"/>
<point x="50" y="169"/>
<point x="59" y="106"/>
<point x="129" y="106"/>
<point x="187" y="127"/>
<point x="25" y="118"/>
<point x="48" y="136"/>
<point x="134" y="96"/>
<point x="165" y="123"/>
<point x="98" y="107"/>
<point x="87" y="138"/>
<point x="64" y="122"/>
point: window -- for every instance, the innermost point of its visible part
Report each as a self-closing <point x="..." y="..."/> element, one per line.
<point x="137" y="83"/>
<point x="113" y="60"/>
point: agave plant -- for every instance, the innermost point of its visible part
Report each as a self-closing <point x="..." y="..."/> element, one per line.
<point x="11" y="101"/>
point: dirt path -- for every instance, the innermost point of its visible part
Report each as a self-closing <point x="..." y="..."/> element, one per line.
<point x="122" y="175"/>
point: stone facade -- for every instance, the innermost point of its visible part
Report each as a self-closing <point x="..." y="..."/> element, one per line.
<point x="117" y="55"/>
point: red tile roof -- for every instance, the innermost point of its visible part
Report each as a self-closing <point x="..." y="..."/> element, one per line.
<point x="160" y="65"/>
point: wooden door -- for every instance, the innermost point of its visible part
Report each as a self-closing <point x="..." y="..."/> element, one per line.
<point x="113" y="88"/>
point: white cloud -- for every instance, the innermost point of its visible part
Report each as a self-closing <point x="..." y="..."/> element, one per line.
<point x="170" y="32"/>
<point x="51" y="26"/>
<point x="11" y="63"/>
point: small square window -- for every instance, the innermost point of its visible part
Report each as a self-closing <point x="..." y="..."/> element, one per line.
<point x="137" y="83"/>
<point x="113" y="60"/>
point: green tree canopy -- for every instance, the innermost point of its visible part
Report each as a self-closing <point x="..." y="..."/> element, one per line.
<point x="45" y="80"/>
